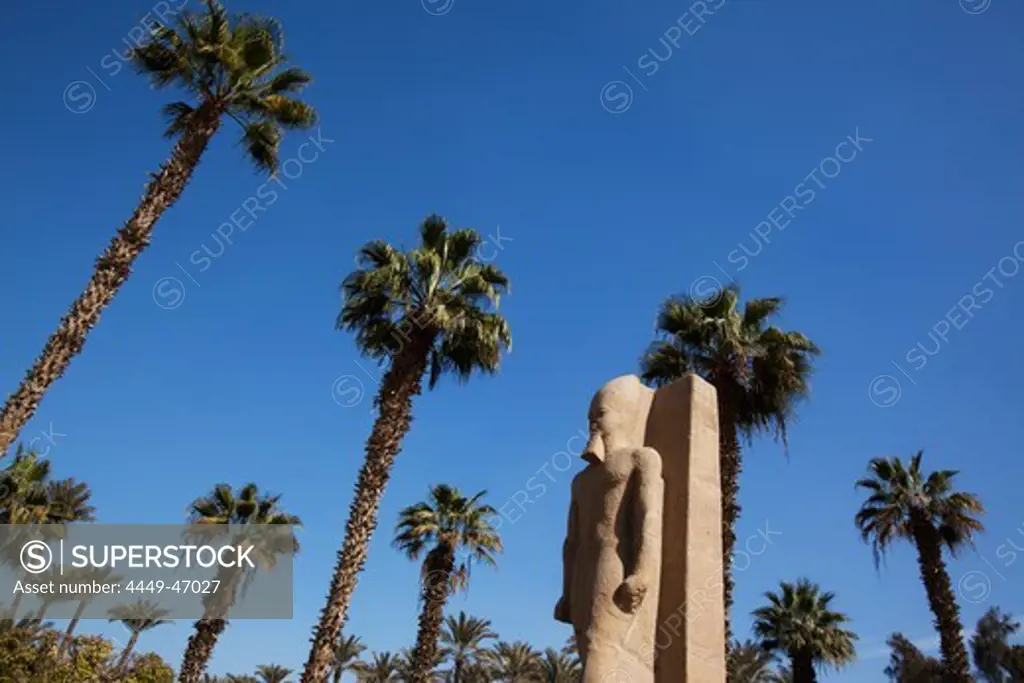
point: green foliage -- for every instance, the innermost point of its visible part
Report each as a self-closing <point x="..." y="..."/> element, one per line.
<point x="907" y="664"/>
<point x="383" y="667"/>
<point x="514" y="662"/>
<point x="995" y="659"/>
<point x="800" y="623"/>
<point x="759" y="369"/>
<point x="450" y="525"/>
<point x="32" y="653"/>
<point x="29" y="496"/>
<point x="748" y="662"/>
<point x="903" y="498"/>
<point x="440" y="294"/>
<point x="272" y="673"/>
<point x="231" y="65"/>
<point x="347" y="650"/>
<point x="463" y="641"/>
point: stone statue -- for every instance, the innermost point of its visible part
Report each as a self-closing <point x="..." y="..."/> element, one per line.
<point x="642" y="574"/>
<point x="612" y="551"/>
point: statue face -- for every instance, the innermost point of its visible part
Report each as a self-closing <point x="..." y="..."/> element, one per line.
<point x="617" y="417"/>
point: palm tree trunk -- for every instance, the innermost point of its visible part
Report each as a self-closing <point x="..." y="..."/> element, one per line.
<point x="457" y="673"/>
<point x="942" y="601"/>
<point x="394" y="402"/>
<point x="110" y="272"/>
<point x="803" y="668"/>
<point x="200" y="649"/>
<point x="16" y="605"/>
<point x="435" y="594"/>
<point x="730" y="467"/>
<point x="122" y="665"/>
<point x="70" y="633"/>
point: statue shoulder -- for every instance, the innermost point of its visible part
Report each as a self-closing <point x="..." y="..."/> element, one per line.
<point x="647" y="458"/>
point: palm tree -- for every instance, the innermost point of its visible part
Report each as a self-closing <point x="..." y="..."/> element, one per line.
<point x="559" y="667"/>
<point x="799" y="623"/>
<point x="759" y="372"/>
<point x="907" y="664"/>
<point x="347" y="650"/>
<point x="514" y="662"/>
<point x="382" y="668"/>
<point x="749" y="663"/>
<point x="990" y="645"/>
<point x="906" y="503"/>
<point x="250" y="509"/>
<point x="38" y="505"/>
<point x="230" y="66"/>
<point x="77" y="576"/>
<point x="138" y="618"/>
<point x="463" y="640"/>
<point x="405" y="667"/>
<point x="450" y="532"/>
<point x="272" y="673"/>
<point x="433" y="307"/>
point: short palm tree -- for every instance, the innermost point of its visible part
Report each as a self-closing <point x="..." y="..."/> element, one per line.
<point x="514" y="662"/>
<point x="138" y="618"/>
<point x="382" y="668"/>
<point x="906" y="503"/>
<point x="749" y="663"/>
<point x="272" y="673"/>
<point x="347" y="650"/>
<point x="559" y="667"/>
<point x="433" y="308"/>
<point x="247" y="508"/>
<point x="231" y="67"/>
<point x="463" y="639"/>
<point x="759" y="371"/>
<point x="79" y="576"/>
<point x="907" y="664"/>
<point x="450" y="532"/>
<point x="38" y="505"/>
<point x="799" y="622"/>
<point x="990" y="646"/>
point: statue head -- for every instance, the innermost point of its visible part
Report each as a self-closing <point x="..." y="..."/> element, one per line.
<point x="618" y="417"/>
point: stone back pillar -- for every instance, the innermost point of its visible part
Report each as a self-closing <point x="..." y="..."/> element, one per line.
<point x="683" y="427"/>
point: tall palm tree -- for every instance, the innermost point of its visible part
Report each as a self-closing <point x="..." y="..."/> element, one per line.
<point x="347" y="650"/>
<point x="433" y="307"/>
<point x="272" y="673"/>
<point x="514" y="662"/>
<point x="559" y="667"/>
<point x="906" y="503"/>
<point x="907" y="664"/>
<point x="799" y="622"/>
<point x="748" y="662"/>
<point x="138" y="617"/>
<point x="463" y="638"/>
<point x="382" y="668"/>
<point x="990" y="645"/>
<point x="450" y="532"/>
<point x="759" y="371"/>
<point x="230" y="67"/>
<point x="247" y="508"/>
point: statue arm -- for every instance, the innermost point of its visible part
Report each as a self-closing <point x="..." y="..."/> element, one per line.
<point x="647" y="514"/>
<point x="568" y="561"/>
<point x="646" y="517"/>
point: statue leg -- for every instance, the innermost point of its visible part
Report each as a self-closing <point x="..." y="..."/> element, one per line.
<point x="609" y="662"/>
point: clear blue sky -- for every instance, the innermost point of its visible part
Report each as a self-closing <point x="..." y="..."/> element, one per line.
<point x="494" y="114"/>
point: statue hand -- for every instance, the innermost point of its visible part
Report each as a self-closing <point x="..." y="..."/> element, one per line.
<point x="562" y="611"/>
<point x="630" y="594"/>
